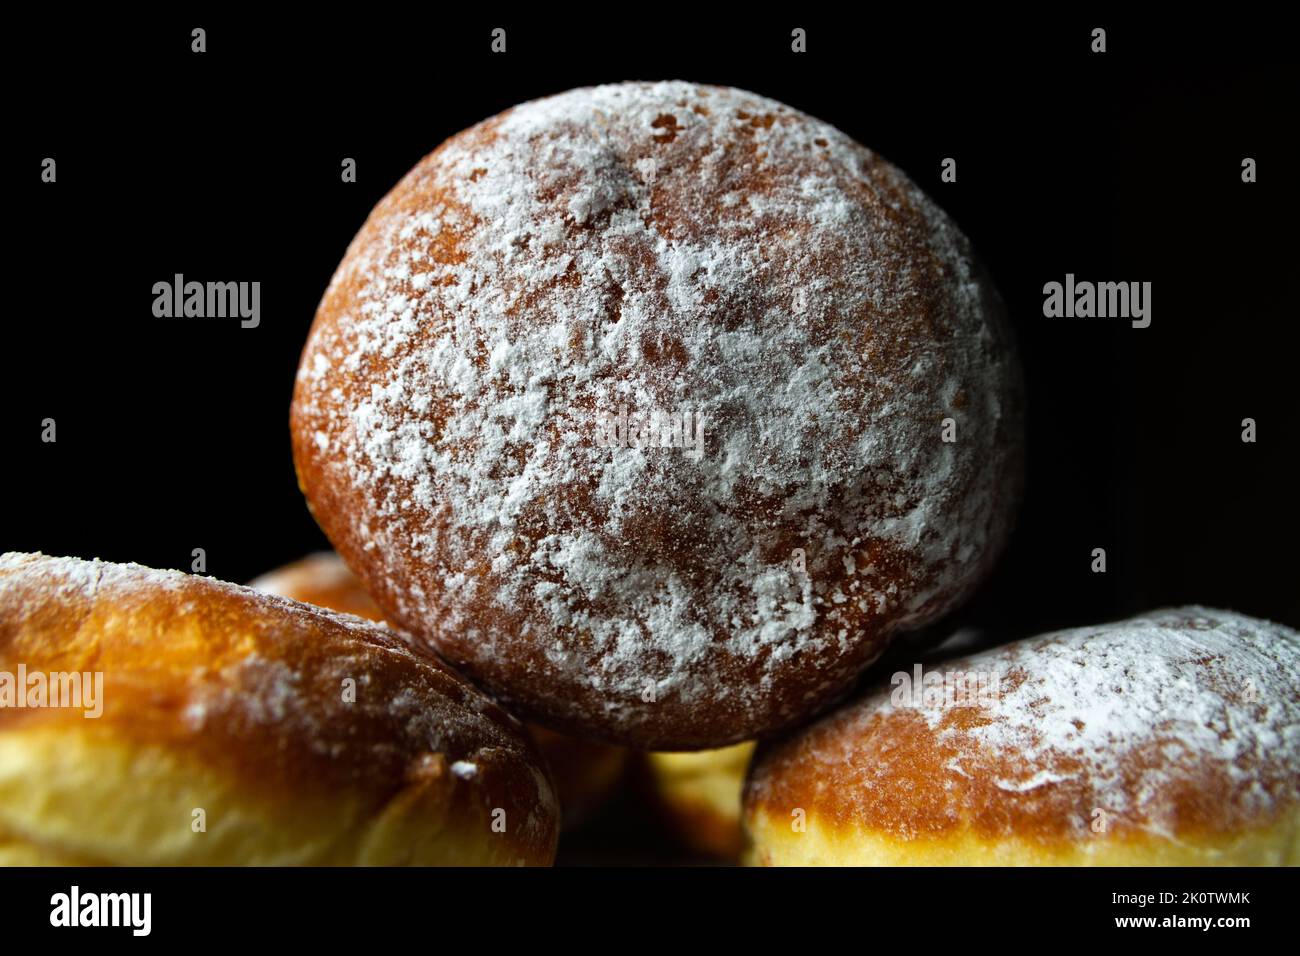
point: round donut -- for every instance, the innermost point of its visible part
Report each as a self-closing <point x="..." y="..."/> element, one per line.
<point x="1169" y="739"/>
<point x="586" y="773"/>
<point x="321" y="579"/>
<point x="235" y="727"/>
<point x="658" y="409"/>
<point x="698" y="793"/>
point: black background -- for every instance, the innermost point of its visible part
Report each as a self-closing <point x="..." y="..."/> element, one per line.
<point x="359" y="910"/>
<point x="1125" y="166"/>
<point x="611" y="911"/>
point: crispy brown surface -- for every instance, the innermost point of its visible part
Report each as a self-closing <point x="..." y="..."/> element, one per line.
<point x="252" y="685"/>
<point x="1177" y="753"/>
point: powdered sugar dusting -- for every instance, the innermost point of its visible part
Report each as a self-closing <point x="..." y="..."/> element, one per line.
<point x="1173" y="720"/>
<point x="1216" y="685"/>
<point x="678" y="248"/>
<point x="207" y="661"/>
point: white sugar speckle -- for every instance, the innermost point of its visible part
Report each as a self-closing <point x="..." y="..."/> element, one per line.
<point x="675" y="248"/>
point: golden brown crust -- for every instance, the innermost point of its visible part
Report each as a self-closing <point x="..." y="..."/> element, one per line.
<point x="1170" y="737"/>
<point x="276" y="699"/>
<point x="674" y="247"/>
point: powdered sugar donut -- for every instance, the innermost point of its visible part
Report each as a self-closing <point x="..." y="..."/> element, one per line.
<point x="233" y="727"/>
<point x="658" y="409"/>
<point x="1169" y="739"/>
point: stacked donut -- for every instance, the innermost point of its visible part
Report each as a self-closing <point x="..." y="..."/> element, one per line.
<point x="653" y="414"/>
<point x="238" y="727"/>
<point x="658" y="410"/>
<point x="1172" y="738"/>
